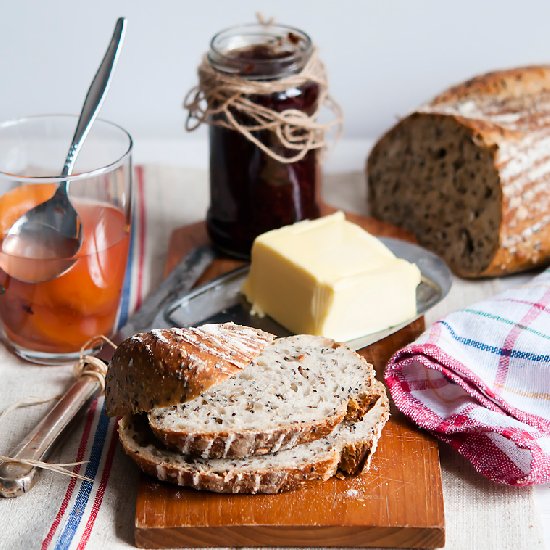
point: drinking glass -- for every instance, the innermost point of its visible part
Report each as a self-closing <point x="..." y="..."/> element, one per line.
<point x="49" y="322"/>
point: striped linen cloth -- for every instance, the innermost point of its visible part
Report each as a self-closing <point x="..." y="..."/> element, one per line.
<point x="479" y="380"/>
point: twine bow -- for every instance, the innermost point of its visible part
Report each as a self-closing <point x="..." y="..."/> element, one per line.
<point x="87" y="365"/>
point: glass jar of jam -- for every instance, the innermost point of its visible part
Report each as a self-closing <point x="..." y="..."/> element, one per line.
<point x="250" y="191"/>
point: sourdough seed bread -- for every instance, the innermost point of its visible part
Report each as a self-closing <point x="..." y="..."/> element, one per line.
<point x="469" y="173"/>
<point x="169" y="366"/>
<point x="348" y="449"/>
<point x="296" y="391"/>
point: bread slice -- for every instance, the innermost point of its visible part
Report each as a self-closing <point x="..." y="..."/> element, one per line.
<point x="348" y="449"/>
<point x="164" y="367"/>
<point x="469" y="173"/>
<point x="296" y="391"/>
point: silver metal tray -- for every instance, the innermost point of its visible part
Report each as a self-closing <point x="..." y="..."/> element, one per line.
<point x="220" y="300"/>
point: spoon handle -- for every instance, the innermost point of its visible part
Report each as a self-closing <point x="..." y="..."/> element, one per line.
<point x="94" y="98"/>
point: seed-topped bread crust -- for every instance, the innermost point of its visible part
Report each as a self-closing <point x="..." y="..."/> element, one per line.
<point x="469" y="173"/>
<point x="348" y="449"/>
<point x="169" y="366"/>
<point x="296" y="391"/>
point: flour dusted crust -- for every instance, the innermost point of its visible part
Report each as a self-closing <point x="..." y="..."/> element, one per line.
<point x="169" y="366"/>
<point x="347" y="450"/>
<point x="469" y="173"/>
<point x="296" y="391"/>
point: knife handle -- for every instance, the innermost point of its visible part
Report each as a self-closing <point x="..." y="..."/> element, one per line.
<point x="17" y="478"/>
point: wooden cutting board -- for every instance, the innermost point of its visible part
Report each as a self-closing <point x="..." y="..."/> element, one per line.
<point x="398" y="503"/>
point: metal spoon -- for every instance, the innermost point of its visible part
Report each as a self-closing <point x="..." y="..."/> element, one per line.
<point x="41" y="244"/>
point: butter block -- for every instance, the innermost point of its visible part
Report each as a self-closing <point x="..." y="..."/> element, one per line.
<point x="329" y="277"/>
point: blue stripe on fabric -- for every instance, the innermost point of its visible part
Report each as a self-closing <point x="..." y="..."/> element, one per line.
<point x="515" y="354"/>
<point x="507" y="322"/>
<point x="79" y="506"/>
<point x="127" y="286"/>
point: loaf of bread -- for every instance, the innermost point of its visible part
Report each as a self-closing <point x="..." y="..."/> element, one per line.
<point x="348" y="449"/>
<point x="469" y="173"/>
<point x="296" y="391"/>
<point x="170" y="366"/>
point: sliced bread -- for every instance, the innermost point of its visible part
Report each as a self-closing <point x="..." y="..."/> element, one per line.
<point x="296" y="391"/>
<point x="164" y="367"/>
<point x="347" y="449"/>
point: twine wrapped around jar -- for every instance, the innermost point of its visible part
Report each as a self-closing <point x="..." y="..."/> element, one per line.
<point x="224" y="100"/>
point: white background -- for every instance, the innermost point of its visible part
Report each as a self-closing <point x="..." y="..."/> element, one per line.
<point x="384" y="57"/>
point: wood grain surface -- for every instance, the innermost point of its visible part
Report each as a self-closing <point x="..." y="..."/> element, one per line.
<point x="397" y="503"/>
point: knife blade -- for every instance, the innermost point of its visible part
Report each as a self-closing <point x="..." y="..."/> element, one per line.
<point x="17" y="478"/>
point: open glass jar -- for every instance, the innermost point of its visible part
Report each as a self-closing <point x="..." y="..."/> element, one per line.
<point x="48" y="320"/>
<point x="252" y="191"/>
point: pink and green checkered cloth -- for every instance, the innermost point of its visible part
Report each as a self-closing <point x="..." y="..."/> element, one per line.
<point x="479" y="379"/>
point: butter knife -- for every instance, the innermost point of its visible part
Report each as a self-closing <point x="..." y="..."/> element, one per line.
<point x="17" y="478"/>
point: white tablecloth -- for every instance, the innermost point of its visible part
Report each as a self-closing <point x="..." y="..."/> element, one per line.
<point x="60" y="513"/>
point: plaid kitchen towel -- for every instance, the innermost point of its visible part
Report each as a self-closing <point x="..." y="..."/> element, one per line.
<point x="479" y="379"/>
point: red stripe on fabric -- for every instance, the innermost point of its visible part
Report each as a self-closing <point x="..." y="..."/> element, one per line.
<point x="489" y="460"/>
<point x="72" y="482"/>
<point x="100" y="492"/>
<point x="434" y="333"/>
<point x="451" y="423"/>
<point x="405" y="386"/>
<point x="141" y="235"/>
<point x="427" y="384"/>
<point x="542" y="307"/>
<point x="534" y="311"/>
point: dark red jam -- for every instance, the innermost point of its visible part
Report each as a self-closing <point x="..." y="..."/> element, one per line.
<point x="250" y="192"/>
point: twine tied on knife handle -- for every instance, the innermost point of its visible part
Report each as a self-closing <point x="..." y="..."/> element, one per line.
<point x="87" y="366"/>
